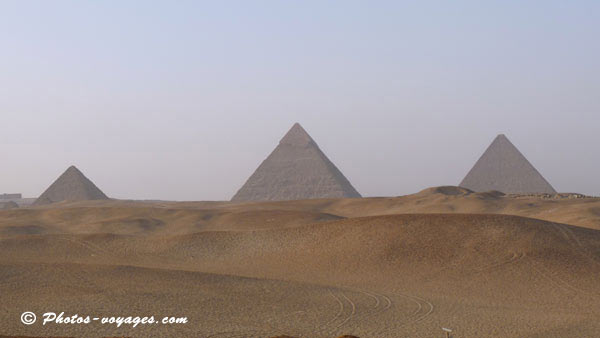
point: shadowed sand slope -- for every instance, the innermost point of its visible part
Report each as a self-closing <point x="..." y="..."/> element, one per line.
<point x="378" y="276"/>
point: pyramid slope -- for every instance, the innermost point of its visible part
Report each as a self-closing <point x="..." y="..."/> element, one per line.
<point x="503" y="168"/>
<point x="296" y="169"/>
<point x="72" y="185"/>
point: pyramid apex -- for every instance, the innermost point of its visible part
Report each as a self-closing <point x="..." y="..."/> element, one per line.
<point x="296" y="136"/>
<point x="298" y="127"/>
<point x="73" y="170"/>
<point x="500" y="140"/>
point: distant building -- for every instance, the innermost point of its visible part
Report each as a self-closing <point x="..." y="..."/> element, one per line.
<point x="11" y="196"/>
<point x="8" y="205"/>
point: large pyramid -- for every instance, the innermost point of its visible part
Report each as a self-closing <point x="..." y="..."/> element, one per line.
<point x="296" y="169"/>
<point x="72" y="185"/>
<point x="503" y="168"/>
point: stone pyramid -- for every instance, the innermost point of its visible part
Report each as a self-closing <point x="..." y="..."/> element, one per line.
<point x="72" y="185"/>
<point x="296" y="169"/>
<point x="503" y="168"/>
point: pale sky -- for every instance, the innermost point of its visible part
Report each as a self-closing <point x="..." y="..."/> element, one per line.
<point x="182" y="100"/>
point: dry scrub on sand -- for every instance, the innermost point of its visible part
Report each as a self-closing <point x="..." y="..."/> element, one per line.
<point x="378" y="267"/>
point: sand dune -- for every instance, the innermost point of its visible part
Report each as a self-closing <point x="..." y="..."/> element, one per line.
<point x="582" y="212"/>
<point x="315" y="268"/>
<point x="144" y="219"/>
<point x="129" y="217"/>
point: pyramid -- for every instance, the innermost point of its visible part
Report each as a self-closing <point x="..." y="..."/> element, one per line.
<point x="296" y="169"/>
<point x="72" y="185"/>
<point x="503" y="168"/>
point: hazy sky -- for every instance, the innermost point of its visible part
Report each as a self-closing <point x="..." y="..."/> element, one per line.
<point x="184" y="99"/>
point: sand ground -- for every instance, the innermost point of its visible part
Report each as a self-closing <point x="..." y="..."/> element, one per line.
<point x="484" y="265"/>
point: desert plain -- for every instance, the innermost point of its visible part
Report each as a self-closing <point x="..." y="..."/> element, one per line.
<point x="481" y="264"/>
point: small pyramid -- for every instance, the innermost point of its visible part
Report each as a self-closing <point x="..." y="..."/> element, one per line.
<point x="72" y="185"/>
<point x="503" y="168"/>
<point x="296" y="169"/>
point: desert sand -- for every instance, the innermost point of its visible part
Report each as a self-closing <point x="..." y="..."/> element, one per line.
<point x="482" y="264"/>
